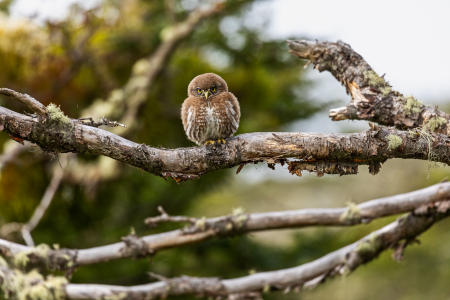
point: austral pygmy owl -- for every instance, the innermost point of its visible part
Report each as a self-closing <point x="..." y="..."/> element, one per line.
<point x="210" y="113"/>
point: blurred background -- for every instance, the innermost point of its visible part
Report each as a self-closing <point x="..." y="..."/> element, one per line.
<point x="85" y="55"/>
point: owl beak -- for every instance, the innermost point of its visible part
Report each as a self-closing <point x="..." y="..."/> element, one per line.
<point x="206" y="94"/>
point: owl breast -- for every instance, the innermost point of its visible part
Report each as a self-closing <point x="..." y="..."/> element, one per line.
<point x="206" y="120"/>
<point x="213" y="123"/>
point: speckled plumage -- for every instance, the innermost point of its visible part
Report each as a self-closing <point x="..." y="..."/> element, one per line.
<point x="210" y="112"/>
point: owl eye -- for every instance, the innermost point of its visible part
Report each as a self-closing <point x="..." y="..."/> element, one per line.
<point x="199" y="91"/>
<point x="213" y="89"/>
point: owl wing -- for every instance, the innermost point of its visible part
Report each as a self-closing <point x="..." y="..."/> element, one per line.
<point x="233" y="112"/>
<point x="188" y="117"/>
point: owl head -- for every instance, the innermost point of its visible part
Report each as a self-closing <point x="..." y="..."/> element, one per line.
<point x="206" y="86"/>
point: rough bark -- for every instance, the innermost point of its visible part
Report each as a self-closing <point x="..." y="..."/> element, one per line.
<point x="373" y="99"/>
<point x="334" y="154"/>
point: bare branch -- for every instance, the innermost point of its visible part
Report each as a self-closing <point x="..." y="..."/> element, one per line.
<point x="27" y="228"/>
<point x="26" y="99"/>
<point x="11" y="150"/>
<point x="165" y="218"/>
<point x="238" y="223"/>
<point x="102" y="122"/>
<point x="43" y="205"/>
<point x="341" y="261"/>
<point x="373" y="98"/>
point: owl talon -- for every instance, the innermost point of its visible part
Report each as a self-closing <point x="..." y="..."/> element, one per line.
<point x="221" y="141"/>
<point x="210" y="142"/>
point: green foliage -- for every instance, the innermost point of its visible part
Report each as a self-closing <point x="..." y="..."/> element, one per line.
<point x="5" y="4"/>
<point x="85" y="57"/>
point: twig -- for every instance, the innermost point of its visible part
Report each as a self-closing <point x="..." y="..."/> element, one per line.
<point x="27" y="228"/>
<point x="43" y="205"/>
<point x="239" y="223"/>
<point x="11" y="151"/>
<point x="102" y="122"/>
<point x="26" y="99"/>
<point x="164" y="217"/>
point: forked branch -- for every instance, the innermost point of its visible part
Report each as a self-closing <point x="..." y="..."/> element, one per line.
<point x="373" y="99"/>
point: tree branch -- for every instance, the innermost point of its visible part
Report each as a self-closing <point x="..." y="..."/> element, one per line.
<point x="373" y="98"/>
<point x="334" y="154"/>
<point x="26" y="228"/>
<point x="40" y="210"/>
<point x="35" y="106"/>
<point x="236" y="223"/>
<point x="339" y="262"/>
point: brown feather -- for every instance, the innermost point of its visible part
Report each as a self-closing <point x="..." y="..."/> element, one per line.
<point x="216" y="117"/>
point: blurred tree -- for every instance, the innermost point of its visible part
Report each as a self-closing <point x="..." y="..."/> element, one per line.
<point x="83" y="57"/>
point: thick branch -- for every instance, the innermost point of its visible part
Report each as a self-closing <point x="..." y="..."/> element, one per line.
<point x="342" y="261"/>
<point x="373" y="98"/>
<point x="237" y="223"/>
<point x="335" y="154"/>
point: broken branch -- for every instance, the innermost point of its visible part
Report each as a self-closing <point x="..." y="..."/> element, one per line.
<point x="373" y="98"/>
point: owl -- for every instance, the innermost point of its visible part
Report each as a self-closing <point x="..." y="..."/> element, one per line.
<point x="210" y="113"/>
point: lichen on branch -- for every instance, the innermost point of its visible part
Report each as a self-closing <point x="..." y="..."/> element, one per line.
<point x="373" y="98"/>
